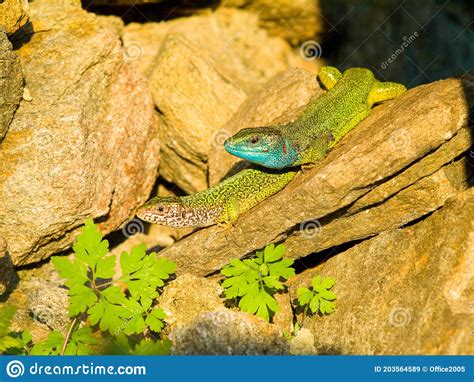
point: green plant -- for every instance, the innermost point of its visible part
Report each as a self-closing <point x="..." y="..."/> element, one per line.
<point x="102" y="304"/>
<point x="11" y="342"/>
<point x="254" y="281"/>
<point x="318" y="297"/>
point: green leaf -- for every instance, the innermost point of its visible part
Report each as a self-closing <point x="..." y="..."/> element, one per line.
<point x="327" y="283"/>
<point x="154" y="320"/>
<point x="314" y="304"/>
<point x="256" y="280"/>
<point x="150" y="347"/>
<point x="75" y="272"/>
<point x="105" y="268"/>
<point x="89" y="246"/>
<point x="316" y="282"/>
<point x="51" y="346"/>
<point x="328" y="295"/>
<point x="81" y="298"/>
<point x="80" y="342"/>
<point x="272" y="253"/>
<point x="304" y="296"/>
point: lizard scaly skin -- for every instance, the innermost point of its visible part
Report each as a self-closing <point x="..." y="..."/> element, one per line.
<point x="221" y="204"/>
<point x="324" y="122"/>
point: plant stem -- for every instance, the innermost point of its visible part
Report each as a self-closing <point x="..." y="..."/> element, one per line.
<point x="68" y="334"/>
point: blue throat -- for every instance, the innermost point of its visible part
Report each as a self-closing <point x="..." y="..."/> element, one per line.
<point x="277" y="158"/>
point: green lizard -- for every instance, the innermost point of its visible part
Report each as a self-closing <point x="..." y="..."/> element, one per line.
<point x="221" y="204"/>
<point x="324" y="122"/>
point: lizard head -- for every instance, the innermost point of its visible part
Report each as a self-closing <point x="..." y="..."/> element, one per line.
<point x="265" y="146"/>
<point x="164" y="210"/>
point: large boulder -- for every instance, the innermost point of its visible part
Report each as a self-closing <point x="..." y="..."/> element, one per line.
<point x="194" y="100"/>
<point x="395" y="159"/>
<point x="225" y="332"/>
<point x="11" y="83"/>
<point x="85" y="145"/>
<point x="406" y="291"/>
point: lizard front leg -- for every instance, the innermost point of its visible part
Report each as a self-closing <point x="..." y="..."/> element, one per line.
<point x="231" y="215"/>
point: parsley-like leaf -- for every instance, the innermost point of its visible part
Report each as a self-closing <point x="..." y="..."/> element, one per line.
<point x="319" y="297"/>
<point x="255" y="281"/>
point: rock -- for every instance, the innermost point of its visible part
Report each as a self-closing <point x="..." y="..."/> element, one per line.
<point x="302" y="343"/>
<point x="407" y="204"/>
<point x="13" y="15"/>
<point x="11" y="82"/>
<point x="296" y="21"/>
<point x="41" y="301"/>
<point x="188" y="296"/>
<point x="230" y="41"/>
<point x="194" y="100"/>
<point x="393" y="139"/>
<point x="49" y="306"/>
<point x="267" y="107"/>
<point x="226" y="332"/>
<point x="405" y="291"/>
<point x="85" y="146"/>
<point x="7" y="271"/>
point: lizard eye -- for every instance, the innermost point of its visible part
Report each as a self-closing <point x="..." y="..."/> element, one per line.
<point x="254" y="140"/>
<point x="161" y="209"/>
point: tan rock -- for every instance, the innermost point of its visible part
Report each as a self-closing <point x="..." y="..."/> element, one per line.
<point x="13" y="15"/>
<point x="41" y="301"/>
<point x="85" y="146"/>
<point x="227" y="332"/>
<point x="184" y="298"/>
<point x="230" y="41"/>
<point x="296" y="21"/>
<point x="11" y="83"/>
<point x="426" y="117"/>
<point x="406" y="291"/>
<point x="407" y="204"/>
<point x="194" y="100"/>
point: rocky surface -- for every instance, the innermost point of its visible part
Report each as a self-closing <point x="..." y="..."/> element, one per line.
<point x="188" y="296"/>
<point x="296" y="21"/>
<point x="11" y="83"/>
<point x="7" y="271"/>
<point x="428" y="124"/>
<point x="41" y="302"/>
<point x="406" y="291"/>
<point x="227" y="332"/>
<point x="86" y="143"/>
<point x="13" y="15"/>
<point x="230" y="41"/>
